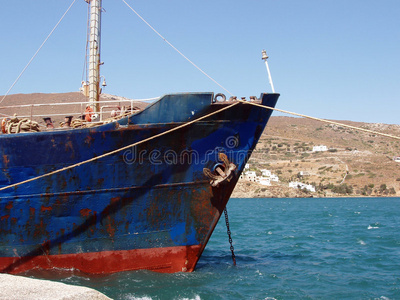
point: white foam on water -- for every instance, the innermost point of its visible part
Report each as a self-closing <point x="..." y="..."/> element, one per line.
<point x="361" y="242"/>
<point x="133" y="297"/>
<point x="372" y="227"/>
<point x="197" y="297"/>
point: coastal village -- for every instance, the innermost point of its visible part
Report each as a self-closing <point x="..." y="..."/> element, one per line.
<point x="296" y="157"/>
<point x="267" y="177"/>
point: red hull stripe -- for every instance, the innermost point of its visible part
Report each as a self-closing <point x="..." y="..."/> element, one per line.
<point x="165" y="260"/>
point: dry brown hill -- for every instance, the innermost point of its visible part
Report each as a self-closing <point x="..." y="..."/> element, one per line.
<point x="357" y="163"/>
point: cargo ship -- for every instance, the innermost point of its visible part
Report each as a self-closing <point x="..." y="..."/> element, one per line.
<point x="142" y="190"/>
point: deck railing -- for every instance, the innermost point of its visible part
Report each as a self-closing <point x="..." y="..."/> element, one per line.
<point x="61" y="112"/>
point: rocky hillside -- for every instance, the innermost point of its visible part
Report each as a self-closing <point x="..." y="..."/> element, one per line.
<point x="356" y="163"/>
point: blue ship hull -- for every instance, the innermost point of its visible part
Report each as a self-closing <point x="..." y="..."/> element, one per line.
<point x="147" y="207"/>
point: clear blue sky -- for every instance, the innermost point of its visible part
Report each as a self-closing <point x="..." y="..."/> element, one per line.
<point x="334" y="59"/>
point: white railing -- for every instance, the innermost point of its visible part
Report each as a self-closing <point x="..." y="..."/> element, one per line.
<point x="83" y="106"/>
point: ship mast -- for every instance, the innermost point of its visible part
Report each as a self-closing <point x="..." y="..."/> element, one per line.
<point x="264" y="58"/>
<point x="94" y="54"/>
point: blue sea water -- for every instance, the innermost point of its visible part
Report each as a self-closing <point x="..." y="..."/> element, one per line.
<point x="341" y="248"/>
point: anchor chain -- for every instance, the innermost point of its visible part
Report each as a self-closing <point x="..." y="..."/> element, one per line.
<point x="229" y="236"/>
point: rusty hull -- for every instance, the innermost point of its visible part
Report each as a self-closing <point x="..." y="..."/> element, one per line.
<point x="148" y="207"/>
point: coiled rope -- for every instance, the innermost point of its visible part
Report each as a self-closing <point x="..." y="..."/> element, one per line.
<point x="16" y="125"/>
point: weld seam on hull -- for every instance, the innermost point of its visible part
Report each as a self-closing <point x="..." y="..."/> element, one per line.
<point x="110" y="189"/>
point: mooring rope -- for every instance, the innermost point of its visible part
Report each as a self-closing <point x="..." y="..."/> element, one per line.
<point x="187" y="124"/>
<point x="33" y="57"/>
<point x="322" y="120"/>
<point x="118" y="150"/>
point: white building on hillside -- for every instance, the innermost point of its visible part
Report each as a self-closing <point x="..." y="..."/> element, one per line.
<point x="320" y="148"/>
<point x="271" y="176"/>
<point x="300" y="185"/>
<point x="304" y="173"/>
<point x="266" y="173"/>
<point x="264" y="179"/>
<point x="274" y="177"/>
<point x="249" y="176"/>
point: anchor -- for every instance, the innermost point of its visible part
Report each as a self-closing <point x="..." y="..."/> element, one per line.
<point x="223" y="172"/>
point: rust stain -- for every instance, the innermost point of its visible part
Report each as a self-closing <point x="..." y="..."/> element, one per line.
<point x="110" y="221"/>
<point x="46" y="247"/>
<point x="46" y="208"/>
<point x="39" y="229"/>
<point x="64" y="184"/>
<point x="68" y="146"/>
<point x="92" y="228"/>
<point x="115" y="199"/>
<point x="100" y="181"/>
<point x="89" y="139"/>
<point x="110" y="227"/>
<point x="5" y="160"/>
<point x="9" y="205"/>
<point x="85" y="212"/>
<point x="5" y="217"/>
<point x="127" y="226"/>
<point x="32" y="211"/>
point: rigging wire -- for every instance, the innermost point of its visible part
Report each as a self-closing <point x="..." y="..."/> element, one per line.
<point x="173" y="47"/>
<point x="33" y="57"/>
<point x="322" y="120"/>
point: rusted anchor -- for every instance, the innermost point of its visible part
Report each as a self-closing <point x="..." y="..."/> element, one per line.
<point x="223" y="172"/>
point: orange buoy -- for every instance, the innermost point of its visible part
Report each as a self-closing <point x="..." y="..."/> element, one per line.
<point x="88" y="114"/>
<point x="3" y="125"/>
